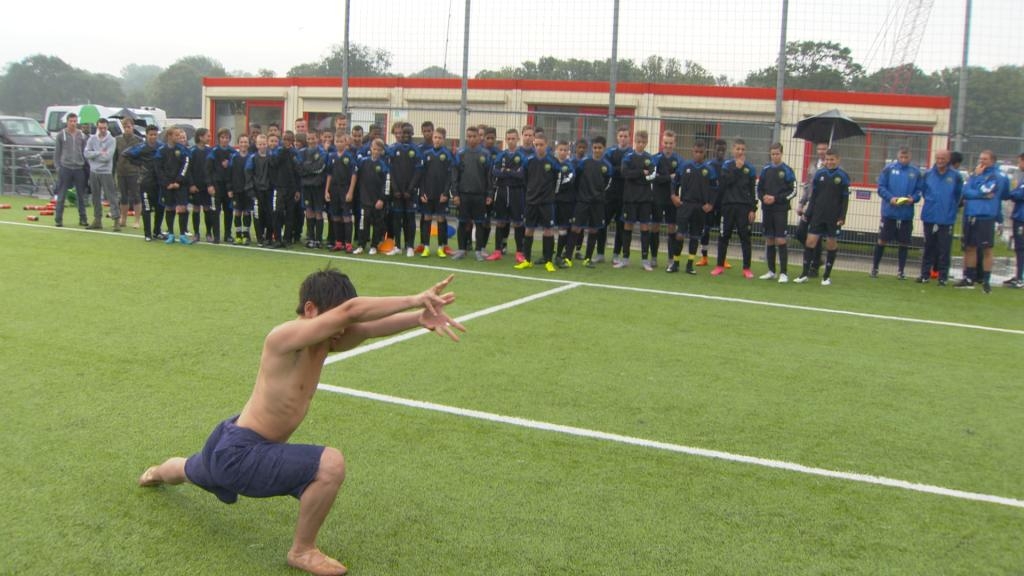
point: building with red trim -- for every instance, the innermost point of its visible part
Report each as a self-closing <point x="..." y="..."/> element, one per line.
<point x="573" y="109"/>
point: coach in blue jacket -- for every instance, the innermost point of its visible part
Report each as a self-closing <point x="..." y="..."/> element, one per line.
<point x="899" y="187"/>
<point x="942" y="190"/>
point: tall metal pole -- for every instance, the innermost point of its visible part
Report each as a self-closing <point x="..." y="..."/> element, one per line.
<point x="344" y="62"/>
<point x="961" y="97"/>
<point x="780" y="77"/>
<point x="613" y="78"/>
<point x="464" y="105"/>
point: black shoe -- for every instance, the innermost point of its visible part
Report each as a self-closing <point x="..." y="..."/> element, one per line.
<point x="986" y="287"/>
<point x="874" y="273"/>
<point x="942" y="282"/>
<point x="966" y="283"/>
<point x="921" y="280"/>
<point x="691" y="271"/>
<point x="58" y="224"/>
<point x="673" y="267"/>
<point x="900" y="275"/>
<point x="812" y="274"/>
<point x="1011" y="283"/>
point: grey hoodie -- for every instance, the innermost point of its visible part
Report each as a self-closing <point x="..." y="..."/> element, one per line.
<point x="68" y="153"/>
<point x="100" y="153"/>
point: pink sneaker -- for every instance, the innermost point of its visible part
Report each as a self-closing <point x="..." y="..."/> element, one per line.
<point x="717" y="271"/>
<point x="520" y="257"/>
<point x="496" y="255"/>
<point x="747" y="273"/>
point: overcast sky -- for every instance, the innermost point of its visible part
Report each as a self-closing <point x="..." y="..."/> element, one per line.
<point x="246" y="37"/>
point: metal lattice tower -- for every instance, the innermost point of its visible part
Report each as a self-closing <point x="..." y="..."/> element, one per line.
<point x="910" y="27"/>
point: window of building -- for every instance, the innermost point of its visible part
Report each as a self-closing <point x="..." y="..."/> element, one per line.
<point x="758" y="137"/>
<point x="571" y="123"/>
<point x="237" y="115"/>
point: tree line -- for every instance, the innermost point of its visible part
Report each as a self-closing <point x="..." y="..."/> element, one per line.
<point x="995" y="105"/>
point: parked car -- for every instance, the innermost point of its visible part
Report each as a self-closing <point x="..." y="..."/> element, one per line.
<point x="27" y="154"/>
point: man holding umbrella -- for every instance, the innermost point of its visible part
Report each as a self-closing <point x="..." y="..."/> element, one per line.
<point x="822" y="129"/>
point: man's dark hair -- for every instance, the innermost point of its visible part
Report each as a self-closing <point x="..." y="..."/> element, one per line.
<point x="599" y="140"/>
<point x="101" y="121"/>
<point x="152" y="128"/>
<point x="326" y="289"/>
<point x="427" y="124"/>
<point x="200" y="132"/>
<point x="956" y="157"/>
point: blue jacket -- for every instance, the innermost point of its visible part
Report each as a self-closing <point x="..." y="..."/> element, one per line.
<point x="942" y="193"/>
<point x="897" y="181"/>
<point x="1017" y="195"/>
<point x="984" y="194"/>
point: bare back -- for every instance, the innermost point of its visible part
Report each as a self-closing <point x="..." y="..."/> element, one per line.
<point x="285" y="385"/>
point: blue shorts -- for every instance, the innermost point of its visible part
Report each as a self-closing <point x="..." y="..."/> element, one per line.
<point x="237" y="460"/>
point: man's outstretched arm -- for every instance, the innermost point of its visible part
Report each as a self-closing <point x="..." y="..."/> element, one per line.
<point x="299" y="334"/>
<point x="439" y="323"/>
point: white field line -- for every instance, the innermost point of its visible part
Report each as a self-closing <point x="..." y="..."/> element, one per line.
<point x="395" y="262"/>
<point x="678" y="448"/>
<point x="378" y="344"/>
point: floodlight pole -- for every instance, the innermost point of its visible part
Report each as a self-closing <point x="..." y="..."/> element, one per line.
<point x="961" y="97"/>
<point x="780" y="74"/>
<point x="464" y="105"/>
<point x="613" y="77"/>
<point x="344" y="62"/>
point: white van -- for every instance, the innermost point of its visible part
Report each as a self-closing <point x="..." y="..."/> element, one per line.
<point x="53" y="119"/>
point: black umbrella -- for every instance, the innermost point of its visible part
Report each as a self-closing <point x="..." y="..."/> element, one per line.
<point x="827" y="126"/>
<point x="124" y="113"/>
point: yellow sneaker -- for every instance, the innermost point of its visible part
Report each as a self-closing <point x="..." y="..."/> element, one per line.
<point x="523" y="265"/>
<point x="425" y="253"/>
<point x="441" y="252"/>
<point x="550" y="266"/>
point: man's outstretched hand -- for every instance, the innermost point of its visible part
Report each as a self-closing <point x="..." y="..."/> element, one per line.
<point x="433" y="317"/>
<point x="432" y="299"/>
<point x="439" y="323"/>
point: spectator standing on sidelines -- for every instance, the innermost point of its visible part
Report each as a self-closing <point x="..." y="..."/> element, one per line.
<point x="613" y="197"/>
<point x="1018" y="227"/>
<point x="637" y="171"/>
<point x="69" y="158"/>
<point x="143" y="156"/>
<point x="542" y="177"/>
<point x="801" y="229"/>
<point x="509" y="177"/>
<point x="983" y="196"/>
<point x="695" y="200"/>
<point x="100" y="151"/>
<point x="126" y="174"/>
<point x="592" y="175"/>
<point x="899" y="187"/>
<point x="666" y="180"/>
<point x="776" y="186"/>
<point x="713" y="219"/>
<point x="942" y="191"/>
<point x="200" y="199"/>
<point x="218" y="170"/>
<point x="472" y="184"/>
<point x="373" y="191"/>
<point x="406" y="163"/>
<point x="826" y="214"/>
<point x="173" y="166"/>
<point x="738" y="206"/>
<point x="435" y="190"/>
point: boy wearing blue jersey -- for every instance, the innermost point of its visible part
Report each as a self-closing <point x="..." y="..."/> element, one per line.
<point x="694" y="200"/>
<point x="738" y="200"/>
<point x="173" y="165"/>
<point x="826" y="214"/>
<point x="508" y="172"/>
<point x="667" y="164"/>
<point x="637" y="171"/>
<point x="143" y="155"/>
<point x="435" y="190"/>
<point x="406" y="163"/>
<point x="373" y="186"/>
<point x="543" y="174"/>
<point x="470" y="188"/>
<point x="592" y="175"/>
<point x="218" y="170"/>
<point x="776" y="186"/>
<point x="339" y="193"/>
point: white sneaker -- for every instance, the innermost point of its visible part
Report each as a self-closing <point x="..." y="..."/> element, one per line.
<point x="373" y="250"/>
<point x="409" y="252"/>
<point x="621" y="263"/>
<point x="358" y="250"/>
<point x="598" y="259"/>
<point x="800" y="280"/>
<point x="826" y="281"/>
<point x="394" y="251"/>
<point x="783" y="278"/>
<point x="647" y="265"/>
<point x="767" y="275"/>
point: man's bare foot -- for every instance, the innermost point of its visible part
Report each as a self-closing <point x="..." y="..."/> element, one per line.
<point x="149" y="477"/>
<point x="316" y="562"/>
